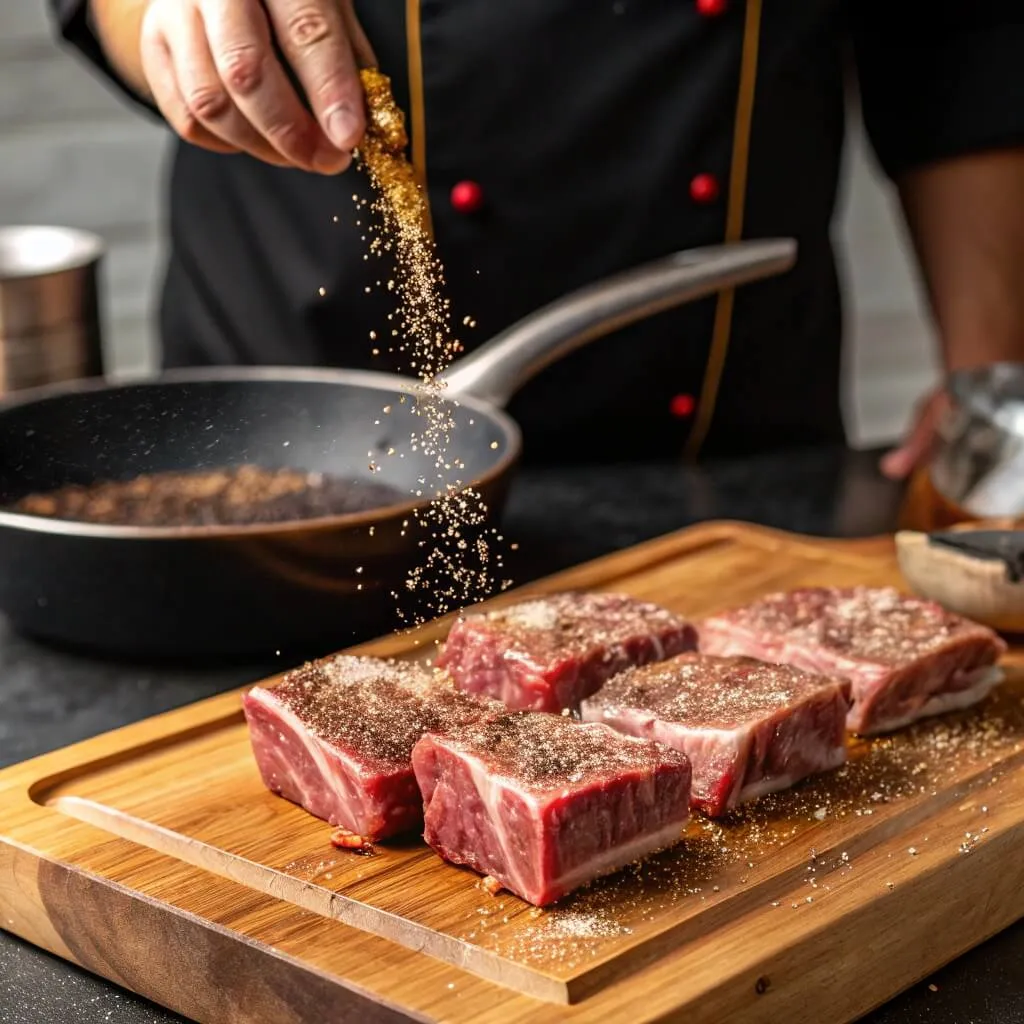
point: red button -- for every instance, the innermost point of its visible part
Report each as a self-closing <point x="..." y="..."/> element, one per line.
<point x="712" y="8"/>
<point x="467" y="197"/>
<point x="682" y="406"/>
<point x="704" y="188"/>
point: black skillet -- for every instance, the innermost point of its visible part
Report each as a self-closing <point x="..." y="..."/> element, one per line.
<point x="304" y="587"/>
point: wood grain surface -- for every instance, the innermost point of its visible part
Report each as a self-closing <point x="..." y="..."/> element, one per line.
<point x="154" y="856"/>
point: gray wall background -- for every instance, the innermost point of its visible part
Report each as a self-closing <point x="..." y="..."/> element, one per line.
<point x="72" y="153"/>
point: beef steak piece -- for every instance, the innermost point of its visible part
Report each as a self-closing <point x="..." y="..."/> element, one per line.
<point x="544" y="805"/>
<point x="748" y="728"/>
<point x="905" y="657"/>
<point x="336" y="737"/>
<point x="550" y="653"/>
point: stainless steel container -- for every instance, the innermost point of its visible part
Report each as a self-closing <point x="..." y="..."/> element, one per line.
<point x="978" y="465"/>
<point x="50" y="322"/>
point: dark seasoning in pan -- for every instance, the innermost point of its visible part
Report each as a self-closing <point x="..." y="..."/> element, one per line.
<point x="239" y="496"/>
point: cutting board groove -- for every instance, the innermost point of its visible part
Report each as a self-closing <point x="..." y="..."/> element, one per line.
<point x="163" y="830"/>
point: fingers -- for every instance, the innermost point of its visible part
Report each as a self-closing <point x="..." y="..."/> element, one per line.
<point x="208" y="102"/>
<point x="163" y="83"/>
<point x="901" y="462"/>
<point x="917" y="446"/>
<point x="216" y="78"/>
<point x="313" y="35"/>
<point x="239" y="39"/>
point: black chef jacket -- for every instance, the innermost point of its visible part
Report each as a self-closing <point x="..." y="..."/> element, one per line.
<point x="601" y="134"/>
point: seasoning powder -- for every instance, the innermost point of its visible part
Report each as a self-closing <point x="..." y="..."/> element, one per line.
<point x="460" y="553"/>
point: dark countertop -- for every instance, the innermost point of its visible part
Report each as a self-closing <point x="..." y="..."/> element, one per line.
<point x="560" y="517"/>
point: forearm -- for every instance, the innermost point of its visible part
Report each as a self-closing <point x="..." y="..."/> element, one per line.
<point x="118" y="24"/>
<point x="966" y="217"/>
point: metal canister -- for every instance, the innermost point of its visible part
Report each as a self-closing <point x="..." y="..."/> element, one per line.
<point x="50" y="318"/>
<point x="978" y="464"/>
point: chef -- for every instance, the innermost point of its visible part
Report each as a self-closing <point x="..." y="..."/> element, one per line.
<point x="564" y="140"/>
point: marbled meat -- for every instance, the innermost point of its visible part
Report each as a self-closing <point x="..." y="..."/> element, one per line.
<point x="905" y="657"/>
<point x="336" y="737"/>
<point x="748" y="728"/>
<point x="544" y="805"/>
<point x="550" y="653"/>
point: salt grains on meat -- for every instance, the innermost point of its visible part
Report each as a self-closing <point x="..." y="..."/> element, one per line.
<point x="748" y="728"/>
<point x="550" y="653"/>
<point x="574" y="802"/>
<point x="336" y="737"/>
<point x="906" y="658"/>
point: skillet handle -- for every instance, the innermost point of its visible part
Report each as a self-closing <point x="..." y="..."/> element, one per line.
<point x="500" y="367"/>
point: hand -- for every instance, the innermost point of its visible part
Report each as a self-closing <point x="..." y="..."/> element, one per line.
<point x="917" y="445"/>
<point x="214" y="74"/>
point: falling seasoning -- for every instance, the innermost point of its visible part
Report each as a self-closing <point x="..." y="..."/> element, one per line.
<point x="461" y="557"/>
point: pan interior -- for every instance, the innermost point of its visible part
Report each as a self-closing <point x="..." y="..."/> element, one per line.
<point x="357" y="431"/>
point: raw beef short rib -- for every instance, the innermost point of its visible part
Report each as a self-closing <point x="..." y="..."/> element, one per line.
<point x="336" y="737"/>
<point x="544" y="805"/>
<point x="748" y="728"/>
<point x="550" y="653"/>
<point x="905" y="657"/>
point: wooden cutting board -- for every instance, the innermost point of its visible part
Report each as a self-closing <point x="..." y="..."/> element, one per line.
<point x="153" y="856"/>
